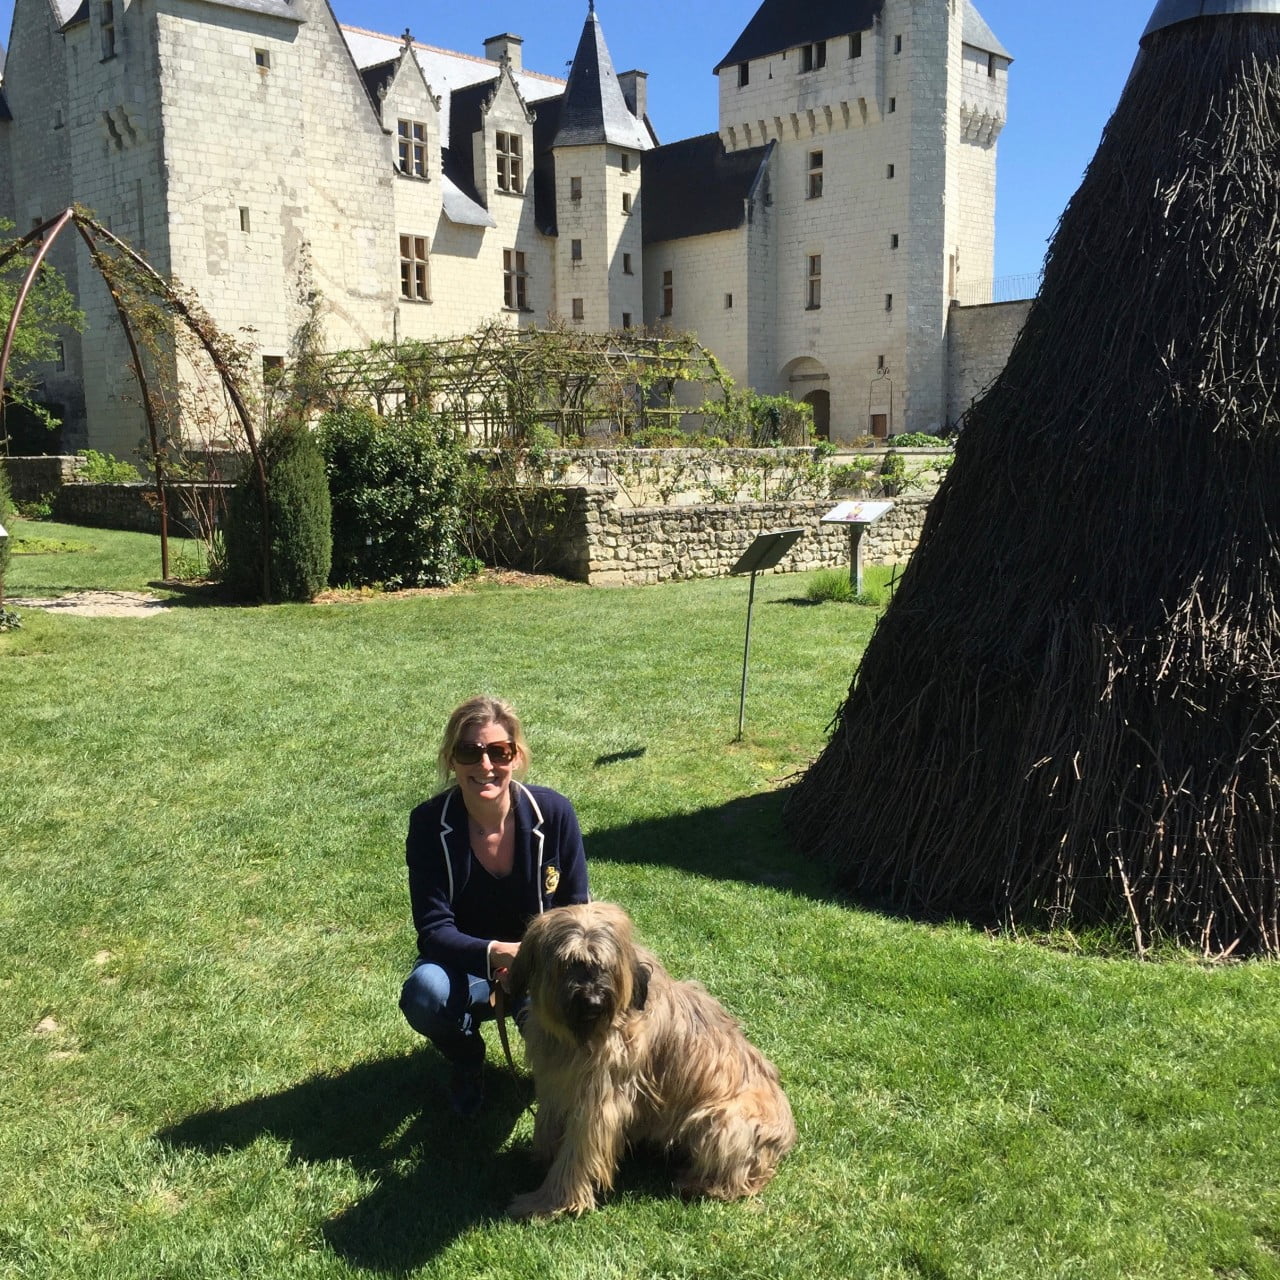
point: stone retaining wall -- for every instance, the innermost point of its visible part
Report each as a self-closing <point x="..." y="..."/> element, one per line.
<point x="34" y="477"/>
<point x="133" y="506"/>
<point x="584" y="535"/>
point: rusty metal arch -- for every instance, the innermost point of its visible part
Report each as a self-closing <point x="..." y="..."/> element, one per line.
<point x="92" y="232"/>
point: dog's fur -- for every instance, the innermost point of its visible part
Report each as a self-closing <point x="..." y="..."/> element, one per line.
<point x="622" y="1053"/>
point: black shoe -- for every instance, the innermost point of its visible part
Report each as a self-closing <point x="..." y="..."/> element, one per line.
<point x="466" y="1089"/>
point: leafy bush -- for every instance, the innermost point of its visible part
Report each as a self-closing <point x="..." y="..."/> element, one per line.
<point x="300" y="521"/>
<point x="920" y="440"/>
<point x="6" y="519"/>
<point x="747" y="417"/>
<point x="103" y="468"/>
<point x="396" y="486"/>
<point x="10" y="620"/>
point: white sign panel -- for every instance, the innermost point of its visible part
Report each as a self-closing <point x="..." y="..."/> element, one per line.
<point x="856" y="512"/>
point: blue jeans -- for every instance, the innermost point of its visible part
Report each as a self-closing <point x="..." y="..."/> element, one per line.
<point x="447" y="1008"/>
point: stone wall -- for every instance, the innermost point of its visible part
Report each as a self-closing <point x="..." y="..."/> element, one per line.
<point x="132" y="506"/>
<point x="584" y="535"/>
<point x="979" y="340"/>
<point x="32" y="478"/>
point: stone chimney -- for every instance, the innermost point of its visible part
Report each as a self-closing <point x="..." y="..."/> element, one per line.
<point x="635" y="90"/>
<point x="504" y="46"/>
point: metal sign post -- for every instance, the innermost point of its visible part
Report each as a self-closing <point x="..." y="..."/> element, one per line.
<point x="763" y="553"/>
<point x="857" y="515"/>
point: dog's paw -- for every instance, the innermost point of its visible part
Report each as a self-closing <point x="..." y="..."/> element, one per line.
<point x="530" y="1206"/>
<point x="539" y="1205"/>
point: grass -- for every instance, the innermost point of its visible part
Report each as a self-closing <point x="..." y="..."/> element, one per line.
<point x="203" y="927"/>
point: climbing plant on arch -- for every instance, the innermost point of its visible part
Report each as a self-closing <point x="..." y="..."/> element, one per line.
<point x="148" y="307"/>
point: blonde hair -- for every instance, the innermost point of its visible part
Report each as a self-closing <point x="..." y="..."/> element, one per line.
<point x="472" y="716"/>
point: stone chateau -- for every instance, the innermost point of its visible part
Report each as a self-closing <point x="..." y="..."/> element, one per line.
<point x="262" y="153"/>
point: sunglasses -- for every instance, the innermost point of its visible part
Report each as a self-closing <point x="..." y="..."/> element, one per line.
<point x="473" y="752"/>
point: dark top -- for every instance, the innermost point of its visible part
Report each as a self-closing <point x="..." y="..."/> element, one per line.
<point x="458" y="907"/>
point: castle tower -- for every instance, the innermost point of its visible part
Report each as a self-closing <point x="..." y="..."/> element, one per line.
<point x="883" y="116"/>
<point x="596" y="151"/>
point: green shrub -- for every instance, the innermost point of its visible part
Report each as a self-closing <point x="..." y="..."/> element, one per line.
<point x="920" y="440"/>
<point x="6" y="519"/>
<point x="831" y="584"/>
<point x="300" y="521"/>
<point x="103" y="468"/>
<point x="396" y="485"/>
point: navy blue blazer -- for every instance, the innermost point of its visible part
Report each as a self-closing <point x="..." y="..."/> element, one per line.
<point x="550" y="869"/>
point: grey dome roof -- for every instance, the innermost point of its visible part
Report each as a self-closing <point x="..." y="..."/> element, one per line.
<point x="1167" y="12"/>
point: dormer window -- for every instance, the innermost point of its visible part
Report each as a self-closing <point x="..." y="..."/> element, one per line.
<point x="510" y="162"/>
<point x="411" y="141"/>
<point x="813" y="57"/>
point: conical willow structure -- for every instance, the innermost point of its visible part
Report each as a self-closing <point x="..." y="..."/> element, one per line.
<point x="1070" y="713"/>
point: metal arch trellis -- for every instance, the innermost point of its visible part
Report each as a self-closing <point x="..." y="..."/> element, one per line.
<point x="198" y="323"/>
<point x="495" y="383"/>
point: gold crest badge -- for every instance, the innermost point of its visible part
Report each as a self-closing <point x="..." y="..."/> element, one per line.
<point x="551" y="879"/>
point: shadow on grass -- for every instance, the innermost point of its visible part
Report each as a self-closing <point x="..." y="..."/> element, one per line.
<point x="436" y="1175"/>
<point x="744" y="840"/>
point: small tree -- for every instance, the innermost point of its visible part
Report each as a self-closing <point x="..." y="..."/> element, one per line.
<point x="49" y="309"/>
<point x="396" y="486"/>
<point x="300" y="520"/>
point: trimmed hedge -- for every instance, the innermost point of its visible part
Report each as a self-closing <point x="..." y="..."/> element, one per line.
<point x="301" y="541"/>
<point x="396" y="485"/>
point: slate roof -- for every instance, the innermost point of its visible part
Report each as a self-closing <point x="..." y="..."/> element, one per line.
<point x="695" y="187"/>
<point x="378" y="77"/>
<point x="784" y="24"/>
<point x="979" y="35"/>
<point x="594" y="110"/>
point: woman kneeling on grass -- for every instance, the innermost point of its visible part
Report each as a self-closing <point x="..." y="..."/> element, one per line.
<point x="485" y="856"/>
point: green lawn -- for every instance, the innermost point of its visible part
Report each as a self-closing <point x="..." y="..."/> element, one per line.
<point x="203" y="927"/>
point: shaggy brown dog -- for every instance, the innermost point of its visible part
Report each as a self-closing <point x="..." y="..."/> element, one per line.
<point x="623" y="1053"/>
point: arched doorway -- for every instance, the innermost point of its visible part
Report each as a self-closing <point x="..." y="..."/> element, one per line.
<point x="821" y="402"/>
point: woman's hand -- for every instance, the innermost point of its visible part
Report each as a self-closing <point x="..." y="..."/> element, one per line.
<point x="501" y="955"/>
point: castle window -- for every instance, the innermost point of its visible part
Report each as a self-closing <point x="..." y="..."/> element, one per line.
<point x="897" y="44"/>
<point x="728" y="302"/>
<point x="893" y="104"/>
<point x="59" y="357"/>
<point x="262" y="59"/>
<point x="626" y="319"/>
<point x="575" y="188"/>
<point x="813" y="57"/>
<point x="244" y="219"/>
<point x="744" y="74"/>
<point x="626" y="264"/>
<point x="579" y="311"/>
<point x="991" y="65"/>
<point x="575" y="250"/>
<point x="510" y="162"/>
<point x="888" y="302"/>
<point x="626" y="202"/>
<point x="815" y="175"/>
<point x="107" y="14"/>
<point x="813" y="292"/>
<point x="855" y="45"/>
<point x="893" y="240"/>
<point x="515" y="281"/>
<point x="626" y="162"/>
<point x="411" y="144"/>
<point x="889" y="172"/>
<point x="879" y="364"/>
<point x="414" y="276"/>
<point x="668" y="292"/>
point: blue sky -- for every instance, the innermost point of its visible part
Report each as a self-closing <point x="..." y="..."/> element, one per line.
<point x="1070" y="63"/>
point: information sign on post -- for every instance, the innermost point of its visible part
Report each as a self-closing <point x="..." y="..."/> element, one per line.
<point x="857" y="514"/>
<point x="765" y="552"/>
